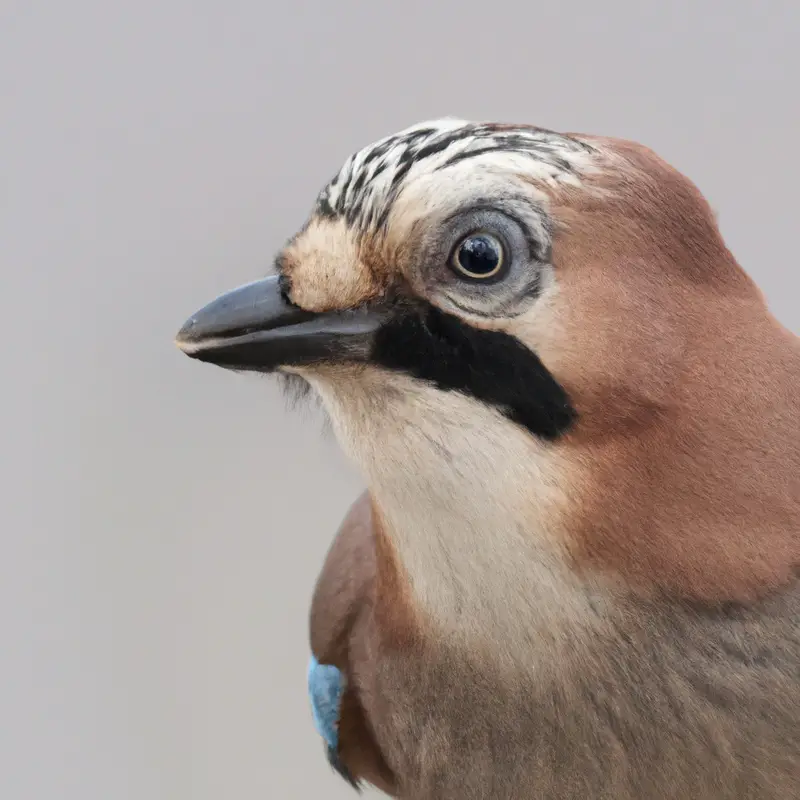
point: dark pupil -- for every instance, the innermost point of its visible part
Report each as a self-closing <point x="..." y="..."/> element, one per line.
<point x="479" y="255"/>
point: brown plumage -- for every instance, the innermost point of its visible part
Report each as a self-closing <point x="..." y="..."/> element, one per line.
<point x="575" y="571"/>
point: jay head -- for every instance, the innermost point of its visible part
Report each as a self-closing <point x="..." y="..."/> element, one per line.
<point x="544" y="360"/>
<point x="566" y="397"/>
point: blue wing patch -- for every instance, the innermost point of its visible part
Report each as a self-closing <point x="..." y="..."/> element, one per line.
<point x="325" y="687"/>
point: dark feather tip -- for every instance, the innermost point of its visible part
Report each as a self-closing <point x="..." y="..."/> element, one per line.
<point x="338" y="766"/>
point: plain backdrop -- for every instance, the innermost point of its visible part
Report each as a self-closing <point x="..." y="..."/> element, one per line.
<point x="163" y="522"/>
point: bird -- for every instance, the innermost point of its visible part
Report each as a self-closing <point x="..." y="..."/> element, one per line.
<point x="573" y="570"/>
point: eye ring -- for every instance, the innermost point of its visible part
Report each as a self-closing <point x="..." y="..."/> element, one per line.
<point x="478" y="256"/>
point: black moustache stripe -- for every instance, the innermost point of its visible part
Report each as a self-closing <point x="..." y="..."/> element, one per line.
<point x="492" y="366"/>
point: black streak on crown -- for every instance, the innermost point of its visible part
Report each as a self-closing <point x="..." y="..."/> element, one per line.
<point x="492" y="366"/>
<point x="422" y="143"/>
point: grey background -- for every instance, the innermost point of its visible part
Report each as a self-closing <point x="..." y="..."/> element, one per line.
<point x="163" y="522"/>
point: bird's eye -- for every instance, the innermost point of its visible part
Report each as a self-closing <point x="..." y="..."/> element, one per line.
<point x="478" y="256"/>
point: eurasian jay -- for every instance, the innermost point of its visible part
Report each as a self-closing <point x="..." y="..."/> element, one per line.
<point x="574" y="572"/>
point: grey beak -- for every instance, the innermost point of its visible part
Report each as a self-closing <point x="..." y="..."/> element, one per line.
<point x="255" y="327"/>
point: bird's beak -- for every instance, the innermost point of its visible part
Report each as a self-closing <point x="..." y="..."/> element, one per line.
<point x="255" y="327"/>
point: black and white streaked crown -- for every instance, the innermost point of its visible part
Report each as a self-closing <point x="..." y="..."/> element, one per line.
<point x="371" y="179"/>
